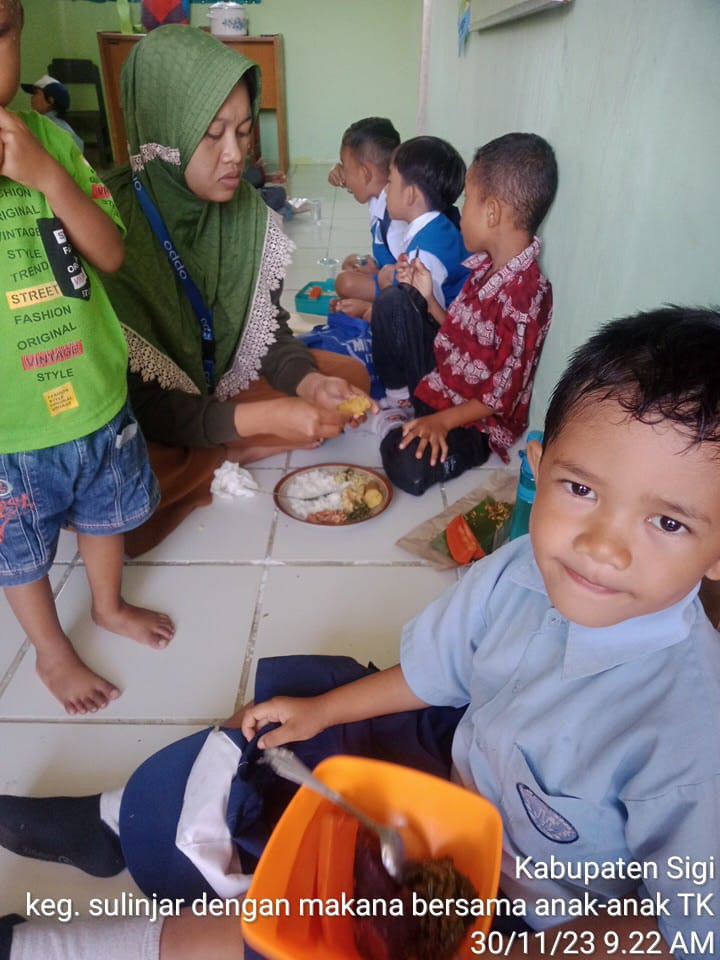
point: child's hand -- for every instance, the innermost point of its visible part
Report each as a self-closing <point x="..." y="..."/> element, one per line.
<point x="300" y="717"/>
<point x="416" y="274"/>
<point x="336" y="177"/>
<point x="431" y="430"/>
<point x="22" y="157"/>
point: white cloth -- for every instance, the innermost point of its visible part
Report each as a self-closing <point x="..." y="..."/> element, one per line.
<point x="129" y="938"/>
<point x="202" y="831"/>
<point x="110" y="809"/>
<point x="232" y="481"/>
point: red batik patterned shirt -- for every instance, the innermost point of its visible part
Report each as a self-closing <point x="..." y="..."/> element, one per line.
<point x="489" y="345"/>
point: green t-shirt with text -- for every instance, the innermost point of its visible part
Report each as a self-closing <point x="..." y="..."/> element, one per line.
<point x="63" y="357"/>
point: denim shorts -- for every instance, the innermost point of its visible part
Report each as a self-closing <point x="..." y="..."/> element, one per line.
<point x="101" y="485"/>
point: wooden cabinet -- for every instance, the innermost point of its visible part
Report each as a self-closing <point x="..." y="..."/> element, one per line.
<point x="267" y="52"/>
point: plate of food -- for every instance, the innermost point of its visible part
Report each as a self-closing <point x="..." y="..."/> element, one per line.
<point x="333" y="494"/>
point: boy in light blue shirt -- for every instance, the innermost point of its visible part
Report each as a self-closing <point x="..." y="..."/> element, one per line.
<point x="581" y="671"/>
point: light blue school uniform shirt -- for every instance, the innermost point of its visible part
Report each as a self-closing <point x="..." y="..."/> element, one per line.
<point x="594" y="743"/>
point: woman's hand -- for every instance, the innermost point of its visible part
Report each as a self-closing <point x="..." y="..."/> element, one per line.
<point x="300" y="717"/>
<point x="294" y="419"/>
<point x="432" y="430"/>
<point x="329" y="392"/>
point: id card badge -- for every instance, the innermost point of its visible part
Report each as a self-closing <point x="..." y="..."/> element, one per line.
<point x="64" y="262"/>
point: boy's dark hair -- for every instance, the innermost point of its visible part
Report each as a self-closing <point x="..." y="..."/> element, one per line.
<point x="660" y="366"/>
<point x="374" y="138"/>
<point x="520" y="169"/>
<point x="433" y="166"/>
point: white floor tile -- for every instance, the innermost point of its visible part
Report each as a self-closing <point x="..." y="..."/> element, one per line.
<point x="347" y="208"/>
<point x="352" y="446"/>
<point x="195" y="677"/>
<point x="354" y="611"/>
<point x="305" y="267"/>
<point x="352" y="235"/>
<point x="226" y="530"/>
<point x="74" y="760"/>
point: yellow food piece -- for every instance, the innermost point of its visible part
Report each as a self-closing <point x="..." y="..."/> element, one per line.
<point x="355" y="405"/>
<point x="372" y="497"/>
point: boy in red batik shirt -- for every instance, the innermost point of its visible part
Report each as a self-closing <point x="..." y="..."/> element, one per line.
<point x="469" y="372"/>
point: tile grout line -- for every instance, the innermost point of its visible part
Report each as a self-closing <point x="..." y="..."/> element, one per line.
<point x="254" y="626"/>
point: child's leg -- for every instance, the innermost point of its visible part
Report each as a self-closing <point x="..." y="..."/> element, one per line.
<point x="136" y="937"/>
<point x="184" y="936"/>
<point x="75" y="685"/>
<point x="403" y="334"/>
<point x="355" y="284"/>
<point x="467" y="448"/>
<point x="103" y="557"/>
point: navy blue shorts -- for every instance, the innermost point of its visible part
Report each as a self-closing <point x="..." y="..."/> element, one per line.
<point x="101" y="484"/>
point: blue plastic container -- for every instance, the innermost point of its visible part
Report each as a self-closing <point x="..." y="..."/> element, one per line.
<point x="525" y="492"/>
<point x="319" y="306"/>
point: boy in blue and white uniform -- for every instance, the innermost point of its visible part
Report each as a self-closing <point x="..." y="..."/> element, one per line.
<point x="427" y="175"/>
<point x="576" y="665"/>
<point x="365" y="151"/>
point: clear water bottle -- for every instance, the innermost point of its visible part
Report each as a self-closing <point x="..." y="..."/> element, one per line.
<point x="525" y="492"/>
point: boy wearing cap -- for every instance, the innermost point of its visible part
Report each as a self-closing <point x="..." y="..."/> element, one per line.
<point x="51" y="98"/>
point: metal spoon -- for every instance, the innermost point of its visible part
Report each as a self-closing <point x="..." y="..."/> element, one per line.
<point x="287" y="765"/>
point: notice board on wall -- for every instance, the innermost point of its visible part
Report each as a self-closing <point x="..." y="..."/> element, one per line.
<point x="488" y="13"/>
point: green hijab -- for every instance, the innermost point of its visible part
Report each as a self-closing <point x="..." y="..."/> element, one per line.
<point x="174" y="82"/>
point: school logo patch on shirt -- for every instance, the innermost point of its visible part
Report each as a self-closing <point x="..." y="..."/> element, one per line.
<point x="546" y="821"/>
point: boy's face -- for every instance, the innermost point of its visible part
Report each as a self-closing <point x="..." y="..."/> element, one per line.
<point x="38" y="102"/>
<point x="626" y="519"/>
<point x="10" y="26"/>
<point x="474" y="218"/>
<point x="363" y="180"/>
<point x="396" y="194"/>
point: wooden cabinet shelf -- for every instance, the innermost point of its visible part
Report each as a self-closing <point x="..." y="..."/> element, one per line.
<point x="267" y="52"/>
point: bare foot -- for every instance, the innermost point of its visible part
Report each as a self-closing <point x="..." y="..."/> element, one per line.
<point x="352" y="306"/>
<point x="146" y="626"/>
<point x="75" y="685"/>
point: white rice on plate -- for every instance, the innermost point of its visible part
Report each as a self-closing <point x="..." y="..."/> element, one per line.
<point x="321" y="485"/>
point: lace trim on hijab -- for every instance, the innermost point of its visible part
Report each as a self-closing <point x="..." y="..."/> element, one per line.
<point x="261" y="327"/>
<point x="151" y="364"/>
<point x="149" y="151"/>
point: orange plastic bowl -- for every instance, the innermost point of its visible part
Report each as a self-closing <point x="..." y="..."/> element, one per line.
<point x="311" y="853"/>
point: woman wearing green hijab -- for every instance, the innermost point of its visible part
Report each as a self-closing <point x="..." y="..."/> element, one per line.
<point x="190" y="104"/>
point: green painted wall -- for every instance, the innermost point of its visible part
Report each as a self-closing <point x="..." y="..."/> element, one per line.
<point x="343" y="60"/>
<point x="628" y="93"/>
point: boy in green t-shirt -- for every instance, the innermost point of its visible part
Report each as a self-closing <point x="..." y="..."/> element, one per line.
<point x="71" y="453"/>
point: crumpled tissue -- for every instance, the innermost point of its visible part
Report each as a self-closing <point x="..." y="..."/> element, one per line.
<point x="232" y="481"/>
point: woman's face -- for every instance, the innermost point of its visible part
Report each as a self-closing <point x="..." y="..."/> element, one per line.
<point x="215" y="168"/>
